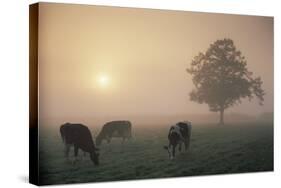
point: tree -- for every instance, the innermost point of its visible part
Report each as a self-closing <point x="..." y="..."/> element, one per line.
<point x="221" y="78"/>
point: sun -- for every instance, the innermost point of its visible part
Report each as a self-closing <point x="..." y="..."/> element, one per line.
<point x="103" y="80"/>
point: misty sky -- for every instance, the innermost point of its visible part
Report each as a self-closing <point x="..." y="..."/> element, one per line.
<point x="143" y="53"/>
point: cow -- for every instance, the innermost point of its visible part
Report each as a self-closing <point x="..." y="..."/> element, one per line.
<point x="111" y="129"/>
<point x="80" y="137"/>
<point x="178" y="134"/>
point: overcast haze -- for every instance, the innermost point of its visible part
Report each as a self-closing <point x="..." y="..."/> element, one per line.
<point x="143" y="54"/>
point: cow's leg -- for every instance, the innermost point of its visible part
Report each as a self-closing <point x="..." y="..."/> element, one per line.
<point x="173" y="152"/>
<point x="169" y="150"/>
<point x="186" y="145"/>
<point x="180" y="146"/>
<point x="123" y="140"/>
<point x="75" y="153"/>
<point x="66" y="150"/>
<point x="188" y="139"/>
<point x="128" y="135"/>
<point x="82" y="156"/>
<point x="122" y="135"/>
<point x="108" y="138"/>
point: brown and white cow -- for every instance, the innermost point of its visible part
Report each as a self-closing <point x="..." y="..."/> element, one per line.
<point x="179" y="134"/>
<point x="80" y="137"/>
<point x="119" y="129"/>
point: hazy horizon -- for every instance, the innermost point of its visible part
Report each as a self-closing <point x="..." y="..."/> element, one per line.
<point x="97" y="61"/>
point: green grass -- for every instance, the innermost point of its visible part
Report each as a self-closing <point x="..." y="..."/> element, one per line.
<point x="214" y="150"/>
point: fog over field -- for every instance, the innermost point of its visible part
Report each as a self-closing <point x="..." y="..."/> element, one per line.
<point x="101" y="62"/>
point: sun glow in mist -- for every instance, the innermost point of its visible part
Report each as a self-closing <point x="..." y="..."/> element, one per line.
<point x="103" y="80"/>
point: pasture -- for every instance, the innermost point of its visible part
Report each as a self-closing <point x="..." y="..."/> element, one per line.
<point x="232" y="148"/>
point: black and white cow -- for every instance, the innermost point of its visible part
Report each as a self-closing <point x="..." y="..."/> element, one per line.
<point x="119" y="129"/>
<point x="178" y="134"/>
<point x="80" y="137"/>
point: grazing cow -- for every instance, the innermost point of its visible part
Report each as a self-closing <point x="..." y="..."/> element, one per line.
<point x="178" y="134"/>
<point x="111" y="129"/>
<point x="80" y="137"/>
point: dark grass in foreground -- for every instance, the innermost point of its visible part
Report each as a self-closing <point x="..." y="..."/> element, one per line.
<point x="237" y="148"/>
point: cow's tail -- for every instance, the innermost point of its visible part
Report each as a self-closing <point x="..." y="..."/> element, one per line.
<point x="129" y="130"/>
<point x="62" y="134"/>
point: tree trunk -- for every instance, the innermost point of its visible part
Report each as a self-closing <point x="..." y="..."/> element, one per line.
<point x="221" y="117"/>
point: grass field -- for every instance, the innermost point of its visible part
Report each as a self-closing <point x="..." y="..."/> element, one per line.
<point x="235" y="148"/>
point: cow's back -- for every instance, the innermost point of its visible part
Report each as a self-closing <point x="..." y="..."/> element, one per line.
<point x="185" y="128"/>
<point x="77" y="134"/>
<point x="117" y="126"/>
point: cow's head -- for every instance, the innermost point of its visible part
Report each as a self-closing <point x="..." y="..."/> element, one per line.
<point x="174" y="139"/>
<point x="98" y="140"/>
<point x="94" y="155"/>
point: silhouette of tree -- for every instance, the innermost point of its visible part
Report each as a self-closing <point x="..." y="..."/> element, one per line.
<point x="221" y="78"/>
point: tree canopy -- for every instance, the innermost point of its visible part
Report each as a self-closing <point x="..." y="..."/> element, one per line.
<point x="221" y="77"/>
